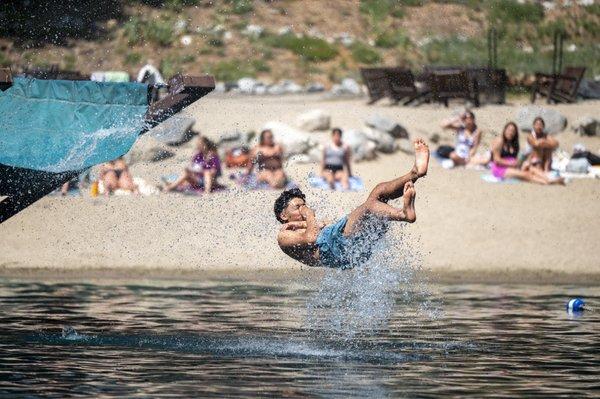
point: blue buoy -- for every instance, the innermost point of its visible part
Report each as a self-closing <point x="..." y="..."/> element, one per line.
<point x="576" y="305"/>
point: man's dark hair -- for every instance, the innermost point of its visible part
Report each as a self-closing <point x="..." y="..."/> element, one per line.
<point x="284" y="199"/>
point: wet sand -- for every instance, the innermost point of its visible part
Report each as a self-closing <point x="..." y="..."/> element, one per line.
<point x="467" y="230"/>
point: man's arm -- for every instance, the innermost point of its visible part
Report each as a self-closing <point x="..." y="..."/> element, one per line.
<point x="546" y="143"/>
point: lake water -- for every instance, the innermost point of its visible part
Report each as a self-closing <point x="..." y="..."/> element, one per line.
<point x="227" y="338"/>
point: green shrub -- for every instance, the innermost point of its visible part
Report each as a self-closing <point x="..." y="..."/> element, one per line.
<point x="232" y="70"/>
<point x="69" y="62"/>
<point x="392" y="38"/>
<point x="260" y="66"/>
<point x="364" y="54"/>
<point x="4" y="60"/>
<point x="378" y="10"/>
<point x="309" y="48"/>
<point x="514" y="12"/>
<point x="158" y="31"/>
<point x="133" y="58"/>
<point x="241" y="7"/>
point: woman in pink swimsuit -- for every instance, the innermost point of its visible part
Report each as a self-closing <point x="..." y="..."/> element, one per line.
<point x="505" y="152"/>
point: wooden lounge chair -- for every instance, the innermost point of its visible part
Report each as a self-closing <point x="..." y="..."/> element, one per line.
<point x="559" y="87"/>
<point x="402" y="85"/>
<point x="447" y="84"/>
<point x="55" y="73"/>
<point x="491" y="83"/>
<point x="23" y="186"/>
<point x="377" y="83"/>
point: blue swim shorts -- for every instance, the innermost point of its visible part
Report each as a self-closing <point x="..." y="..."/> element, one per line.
<point x="333" y="245"/>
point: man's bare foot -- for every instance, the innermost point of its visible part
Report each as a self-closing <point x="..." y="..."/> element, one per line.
<point x="421" y="157"/>
<point x="409" y="202"/>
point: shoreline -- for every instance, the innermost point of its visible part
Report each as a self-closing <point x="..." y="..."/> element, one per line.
<point x="467" y="230"/>
<point x="491" y="276"/>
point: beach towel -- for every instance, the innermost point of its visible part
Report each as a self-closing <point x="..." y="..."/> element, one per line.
<point x="168" y="179"/>
<point x="60" y="125"/>
<point x="356" y="183"/>
<point x="249" y="182"/>
<point x="490" y="178"/>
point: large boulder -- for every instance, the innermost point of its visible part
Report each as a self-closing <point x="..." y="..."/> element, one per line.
<point x="314" y="120"/>
<point x="148" y="149"/>
<point x="294" y="141"/>
<point x="387" y="125"/>
<point x="555" y="122"/>
<point x="348" y="87"/>
<point x="587" y="126"/>
<point x="384" y="141"/>
<point x="248" y="85"/>
<point x="174" y="131"/>
<point x="589" y="89"/>
<point x="362" y="147"/>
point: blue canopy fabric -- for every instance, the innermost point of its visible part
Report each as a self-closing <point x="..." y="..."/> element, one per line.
<point x="62" y="125"/>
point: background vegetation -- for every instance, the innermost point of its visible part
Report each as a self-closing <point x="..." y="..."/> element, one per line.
<point x="302" y="40"/>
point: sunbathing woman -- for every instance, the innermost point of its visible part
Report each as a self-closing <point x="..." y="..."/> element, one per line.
<point x="268" y="157"/>
<point x="542" y="147"/>
<point x="505" y="153"/>
<point x="115" y="175"/>
<point x="203" y="171"/>
<point x="468" y="137"/>
<point x="335" y="165"/>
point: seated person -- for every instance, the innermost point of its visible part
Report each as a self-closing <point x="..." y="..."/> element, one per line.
<point x="505" y="154"/>
<point x="542" y="146"/>
<point x="115" y="175"/>
<point x="335" y="165"/>
<point x="348" y="242"/>
<point x="468" y="137"/>
<point x="203" y="171"/>
<point x="268" y="158"/>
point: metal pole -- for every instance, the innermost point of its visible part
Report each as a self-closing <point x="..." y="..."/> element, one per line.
<point x="561" y="37"/>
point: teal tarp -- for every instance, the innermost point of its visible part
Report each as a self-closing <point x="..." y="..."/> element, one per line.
<point x="62" y="125"/>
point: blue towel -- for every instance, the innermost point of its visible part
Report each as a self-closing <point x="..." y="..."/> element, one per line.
<point x="356" y="183"/>
<point x="62" y="125"/>
<point x="490" y="178"/>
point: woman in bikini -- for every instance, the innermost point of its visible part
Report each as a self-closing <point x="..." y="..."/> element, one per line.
<point x="468" y="137"/>
<point x="335" y="166"/>
<point x="115" y="175"/>
<point x="204" y="169"/>
<point x="542" y="147"/>
<point x="268" y="158"/>
<point x="505" y="154"/>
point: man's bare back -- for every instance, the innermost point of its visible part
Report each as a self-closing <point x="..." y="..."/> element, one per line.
<point x="315" y="243"/>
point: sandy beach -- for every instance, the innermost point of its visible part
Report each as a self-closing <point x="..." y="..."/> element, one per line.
<point x="467" y="230"/>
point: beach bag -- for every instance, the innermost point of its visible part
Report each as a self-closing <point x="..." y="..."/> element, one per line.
<point x="237" y="157"/>
<point x="444" y="151"/>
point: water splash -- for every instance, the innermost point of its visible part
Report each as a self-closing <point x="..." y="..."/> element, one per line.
<point x="362" y="300"/>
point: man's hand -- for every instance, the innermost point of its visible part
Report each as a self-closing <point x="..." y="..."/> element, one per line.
<point x="306" y="212"/>
<point x="294" y="225"/>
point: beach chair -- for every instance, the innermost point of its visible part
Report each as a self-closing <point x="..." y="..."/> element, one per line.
<point x="558" y="88"/>
<point x="402" y="85"/>
<point x="452" y="83"/>
<point x="53" y="72"/>
<point x="377" y="83"/>
<point x="491" y="84"/>
<point x="78" y="124"/>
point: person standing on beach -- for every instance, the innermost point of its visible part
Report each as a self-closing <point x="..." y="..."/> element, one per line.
<point x="348" y="242"/>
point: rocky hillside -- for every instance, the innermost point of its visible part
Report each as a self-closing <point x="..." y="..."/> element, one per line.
<point x="303" y="40"/>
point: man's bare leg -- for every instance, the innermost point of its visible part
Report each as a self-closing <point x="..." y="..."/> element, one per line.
<point x="376" y="203"/>
<point x="393" y="189"/>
